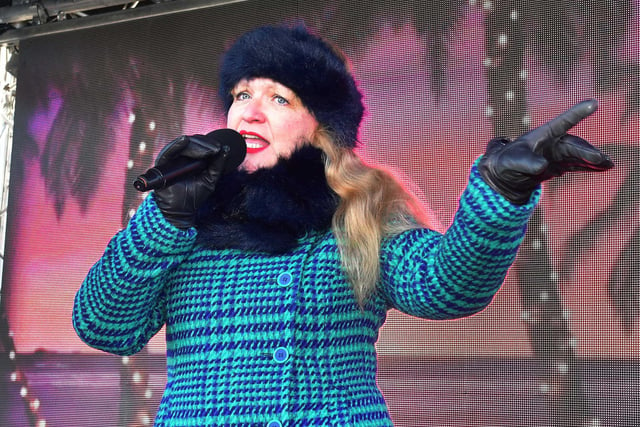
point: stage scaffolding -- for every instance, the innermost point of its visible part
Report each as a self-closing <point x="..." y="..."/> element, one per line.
<point x="7" y="103"/>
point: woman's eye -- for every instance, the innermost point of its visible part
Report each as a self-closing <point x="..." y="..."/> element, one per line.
<point x="280" y="100"/>
<point x="242" y="96"/>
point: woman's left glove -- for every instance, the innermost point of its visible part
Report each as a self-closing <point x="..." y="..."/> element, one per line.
<point x="515" y="168"/>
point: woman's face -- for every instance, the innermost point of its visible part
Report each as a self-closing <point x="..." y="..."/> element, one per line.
<point x="272" y="120"/>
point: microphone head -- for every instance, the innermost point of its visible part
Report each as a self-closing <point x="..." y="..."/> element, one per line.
<point x="236" y="146"/>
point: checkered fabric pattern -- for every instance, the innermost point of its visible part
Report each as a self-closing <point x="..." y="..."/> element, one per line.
<point x="278" y="340"/>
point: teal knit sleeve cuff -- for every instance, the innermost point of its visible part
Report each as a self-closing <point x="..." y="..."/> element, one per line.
<point x="491" y="207"/>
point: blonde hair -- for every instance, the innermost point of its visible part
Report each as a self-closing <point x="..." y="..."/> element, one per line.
<point x="373" y="205"/>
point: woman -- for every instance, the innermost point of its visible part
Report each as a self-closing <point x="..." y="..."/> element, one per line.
<point x="274" y="280"/>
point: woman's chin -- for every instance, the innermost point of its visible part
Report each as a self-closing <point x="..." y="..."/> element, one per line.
<point x="251" y="165"/>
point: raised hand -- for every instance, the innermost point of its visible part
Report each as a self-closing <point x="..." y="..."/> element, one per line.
<point x="179" y="202"/>
<point x="515" y="168"/>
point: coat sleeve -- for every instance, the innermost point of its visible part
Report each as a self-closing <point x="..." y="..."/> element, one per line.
<point x="120" y="304"/>
<point x="434" y="276"/>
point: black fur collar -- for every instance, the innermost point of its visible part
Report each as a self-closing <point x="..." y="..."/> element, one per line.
<point x="270" y="209"/>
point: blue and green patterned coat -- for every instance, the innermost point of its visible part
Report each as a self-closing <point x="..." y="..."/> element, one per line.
<point x="255" y="339"/>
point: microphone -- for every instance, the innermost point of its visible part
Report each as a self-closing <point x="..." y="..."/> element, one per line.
<point x="161" y="176"/>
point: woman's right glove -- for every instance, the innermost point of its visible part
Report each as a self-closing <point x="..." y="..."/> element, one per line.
<point x="179" y="202"/>
<point x="515" y="168"/>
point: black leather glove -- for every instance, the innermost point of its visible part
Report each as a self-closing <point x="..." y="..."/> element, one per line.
<point x="515" y="168"/>
<point x="180" y="202"/>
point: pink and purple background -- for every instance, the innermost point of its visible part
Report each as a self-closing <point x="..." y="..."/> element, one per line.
<point x="158" y="75"/>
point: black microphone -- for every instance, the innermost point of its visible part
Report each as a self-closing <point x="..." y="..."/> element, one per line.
<point x="161" y="176"/>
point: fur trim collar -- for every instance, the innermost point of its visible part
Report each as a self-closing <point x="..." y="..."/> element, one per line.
<point x="270" y="209"/>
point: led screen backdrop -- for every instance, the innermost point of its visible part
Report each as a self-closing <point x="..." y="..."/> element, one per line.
<point x="559" y="345"/>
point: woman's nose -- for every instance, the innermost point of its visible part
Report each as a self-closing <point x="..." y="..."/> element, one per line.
<point x="253" y="111"/>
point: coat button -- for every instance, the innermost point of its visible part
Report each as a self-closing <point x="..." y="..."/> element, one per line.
<point x="285" y="279"/>
<point x="281" y="355"/>
<point x="274" y="423"/>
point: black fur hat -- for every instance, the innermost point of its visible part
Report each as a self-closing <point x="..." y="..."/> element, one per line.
<point x="305" y="64"/>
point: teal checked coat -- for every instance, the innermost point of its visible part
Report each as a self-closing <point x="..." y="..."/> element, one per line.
<point x="256" y="339"/>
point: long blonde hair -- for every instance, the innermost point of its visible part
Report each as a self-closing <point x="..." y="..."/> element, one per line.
<point x="373" y="205"/>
